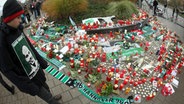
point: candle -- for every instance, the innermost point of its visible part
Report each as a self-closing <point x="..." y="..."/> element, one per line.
<point x="108" y="78"/>
<point x="103" y="58"/>
<point x="116" y="81"/>
<point x="121" y="86"/>
<point x="128" y="89"/>
<point x="94" y="55"/>
<point x="115" y="87"/>
<point x="144" y="80"/>
<point x="79" y="71"/>
<point x="81" y="65"/>
<point x="112" y="69"/>
<point x="89" y="84"/>
<point x="125" y="81"/>
<point x="133" y="37"/>
<point x="98" y="69"/>
<point x="117" y="70"/>
<point x="121" y="75"/>
<point x="131" y="81"/>
<point x="111" y="35"/>
<point x="134" y="73"/>
<point x="125" y="32"/>
<point x="72" y="65"/>
<point x="122" y="36"/>
<point x="71" y="60"/>
<point x="103" y="70"/>
<point x="135" y="83"/>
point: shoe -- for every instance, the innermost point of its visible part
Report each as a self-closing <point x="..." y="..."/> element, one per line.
<point x="57" y="97"/>
<point x="13" y="90"/>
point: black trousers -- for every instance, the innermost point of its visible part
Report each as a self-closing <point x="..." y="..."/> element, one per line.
<point x="5" y="84"/>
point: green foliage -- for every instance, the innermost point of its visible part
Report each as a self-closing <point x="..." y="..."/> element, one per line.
<point x="61" y="9"/>
<point x="123" y="9"/>
<point x="93" y="78"/>
<point x="102" y="1"/>
<point x="104" y="88"/>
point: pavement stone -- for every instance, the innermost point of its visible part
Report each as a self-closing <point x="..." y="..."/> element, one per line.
<point x="31" y="99"/>
<point x="56" y="90"/>
<point x="57" y="82"/>
<point x="66" y="96"/>
<point x="51" y="83"/>
<point x="84" y="99"/>
<point x="74" y="92"/>
<point x="65" y="87"/>
<point x="38" y="99"/>
<point x="75" y="101"/>
<point x="19" y="95"/>
<point x="24" y="101"/>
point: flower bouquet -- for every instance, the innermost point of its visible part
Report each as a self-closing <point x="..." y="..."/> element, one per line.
<point x="104" y="88"/>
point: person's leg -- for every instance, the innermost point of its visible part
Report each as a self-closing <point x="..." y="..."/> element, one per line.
<point x="154" y="10"/>
<point x="10" y="89"/>
<point x="173" y="12"/>
<point x="47" y="96"/>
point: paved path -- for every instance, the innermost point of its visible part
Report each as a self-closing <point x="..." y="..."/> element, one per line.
<point x="72" y="96"/>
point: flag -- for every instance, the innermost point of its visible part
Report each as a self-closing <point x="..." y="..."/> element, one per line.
<point x="73" y="23"/>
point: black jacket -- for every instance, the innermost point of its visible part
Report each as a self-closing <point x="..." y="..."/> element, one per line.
<point x="11" y="66"/>
<point x="155" y="3"/>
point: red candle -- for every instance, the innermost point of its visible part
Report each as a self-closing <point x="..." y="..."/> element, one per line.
<point x="131" y="81"/>
<point x="94" y="55"/>
<point x="112" y="69"/>
<point x="146" y="48"/>
<point x="117" y="70"/>
<point x="165" y="77"/>
<point x="71" y="60"/>
<point x="86" y="69"/>
<point x="81" y="65"/>
<point x="140" y="82"/>
<point x="103" y="58"/>
<point x="103" y="70"/>
<point x="108" y="78"/>
<point x="133" y="37"/>
<point x="135" y="83"/>
<point x="116" y="81"/>
<point x="121" y="86"/>
<point x="144" y="80"/>
<point x="72" y="65"/>
<point x="98" y="69"/>
<point x="121" y="75"/>
<point x="122" y="36"/>
<point x="123" y="71"/>
<point x="82" y="60"/>
<point x="134" y="73"/>
<point x="152" y="79"/>
<point x="125" y="81"/>
<point x="128" y="77"/>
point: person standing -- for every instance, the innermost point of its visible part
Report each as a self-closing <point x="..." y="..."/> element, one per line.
<point x="33" y="9"/>
<point x="175" y="10"/>
<point x="155" y="4"/>
<point x="38" y="7"/>
<point x="19" y="61"/>
<point x="27" y="15"/>
<point x="165" y="8"/>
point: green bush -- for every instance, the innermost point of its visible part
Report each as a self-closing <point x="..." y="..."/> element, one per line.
<point x="102" y="1"/>
<point x="123" y="9"/>
<point x="61" y="9"/>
